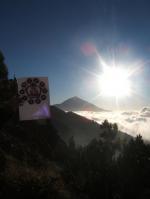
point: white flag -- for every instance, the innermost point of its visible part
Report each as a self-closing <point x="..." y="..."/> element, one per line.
<point x="34" y="98"/>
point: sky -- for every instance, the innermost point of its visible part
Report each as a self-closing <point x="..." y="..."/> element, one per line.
<point x="58" y="38"/>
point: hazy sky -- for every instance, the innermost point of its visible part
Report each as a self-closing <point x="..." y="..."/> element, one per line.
<point x="56" y="38"/>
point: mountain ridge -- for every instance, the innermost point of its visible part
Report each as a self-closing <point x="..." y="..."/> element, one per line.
<point x="70" y="124"/>
<point x="77" y="104"/>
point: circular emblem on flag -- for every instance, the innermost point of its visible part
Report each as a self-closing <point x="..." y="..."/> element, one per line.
<point x="33" y="91"/>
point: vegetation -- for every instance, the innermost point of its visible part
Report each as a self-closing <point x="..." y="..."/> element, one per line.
<point x="3" y="68"/>
<point x="93" y="172"/>
<point x="36" y="163"/>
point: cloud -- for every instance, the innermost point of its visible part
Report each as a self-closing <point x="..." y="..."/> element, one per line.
<point x="129" y="120"/>
<point x="141" y="119"/>
<point x="133" y="122"/>
<point x="145" y="112"/>
<point x="145" y="109"/>
<point x="135" y="119"/>
<point x="129" y="113"/>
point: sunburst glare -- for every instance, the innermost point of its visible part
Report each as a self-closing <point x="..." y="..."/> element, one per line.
<point x="115" y="82"/>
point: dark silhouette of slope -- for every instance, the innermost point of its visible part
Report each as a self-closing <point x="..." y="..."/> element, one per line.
<point x="31" y="155"/>
<point x="82" y="129"/>
<point x="31" y="152"/>
<point x="36" y="163"/>
<point x="70" y="124"/>
<point x="30" y="139"/>
<point x="78" y="104"/>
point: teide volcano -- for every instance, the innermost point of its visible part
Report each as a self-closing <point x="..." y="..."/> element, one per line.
<point x="78" y="104"/>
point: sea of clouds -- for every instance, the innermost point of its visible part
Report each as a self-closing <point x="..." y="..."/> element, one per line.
<point x="131" y="122"/>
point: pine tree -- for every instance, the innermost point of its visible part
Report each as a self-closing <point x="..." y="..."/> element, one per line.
<point x="3" y="68"/>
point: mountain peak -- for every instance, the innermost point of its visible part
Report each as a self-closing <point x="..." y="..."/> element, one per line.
<point x="74" y="98"/>
<point x="77" y="104"/>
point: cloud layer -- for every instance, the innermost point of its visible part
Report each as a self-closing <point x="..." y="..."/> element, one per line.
<point x="131" y="122"/>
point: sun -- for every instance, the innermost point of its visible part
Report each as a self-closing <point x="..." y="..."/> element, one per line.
<point x="115" y="82"/>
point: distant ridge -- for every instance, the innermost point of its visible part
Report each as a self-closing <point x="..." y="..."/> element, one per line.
<point x="77" y="104"/>
<point x="83" y="130"/>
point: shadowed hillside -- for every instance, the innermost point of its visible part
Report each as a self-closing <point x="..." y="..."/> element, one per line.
<point x="36" y="162"/>
<point x="31" y="155"/>
<point x="31" y="152"/>
<point x="82" y="129"/>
